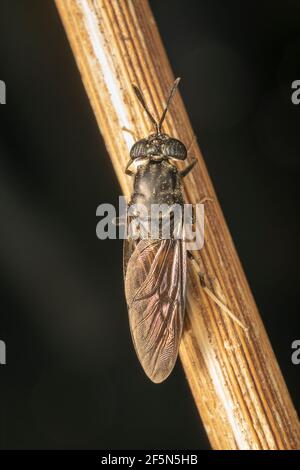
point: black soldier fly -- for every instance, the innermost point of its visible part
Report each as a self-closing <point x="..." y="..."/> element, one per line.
<point x="155" y="269"/>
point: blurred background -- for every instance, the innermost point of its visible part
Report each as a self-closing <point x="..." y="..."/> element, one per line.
<point x="72" y="379"/>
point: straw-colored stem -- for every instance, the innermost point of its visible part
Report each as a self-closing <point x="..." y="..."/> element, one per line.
<point x="234" y="377"/>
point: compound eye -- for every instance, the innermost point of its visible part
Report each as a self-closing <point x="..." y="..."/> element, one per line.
<point x="173" y="148"/>
<point x="139" y="149"/>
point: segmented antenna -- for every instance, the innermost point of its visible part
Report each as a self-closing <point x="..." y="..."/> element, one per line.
<point x="143" y="103"/>
<point x="172" y="92"/>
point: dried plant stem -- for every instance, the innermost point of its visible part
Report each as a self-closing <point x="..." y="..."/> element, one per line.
<point x="235" y="379"/>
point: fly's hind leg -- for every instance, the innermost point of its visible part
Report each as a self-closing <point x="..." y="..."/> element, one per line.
<point x="212" y="295"/>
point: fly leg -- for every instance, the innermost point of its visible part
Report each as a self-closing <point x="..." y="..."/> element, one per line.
<point x="186" y="171"/>
<point x="212" y="295"/>
<point x="122" y="220"/>
<point x="125" y="129"/>
<point x="206" y="199"/>
<point x="202" y="201"/>
<point x="127" y="171"/>
<point x="194" y="138"/>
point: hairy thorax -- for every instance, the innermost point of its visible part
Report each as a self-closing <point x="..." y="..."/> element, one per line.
<point x="157" y="183"/>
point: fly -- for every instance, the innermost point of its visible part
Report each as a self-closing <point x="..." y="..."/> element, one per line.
<point x="155" y="269"/>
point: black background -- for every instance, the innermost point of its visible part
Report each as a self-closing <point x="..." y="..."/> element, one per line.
<point x="72" y="379"/>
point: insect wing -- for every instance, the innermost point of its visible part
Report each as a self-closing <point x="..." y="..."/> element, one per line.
<point x="155" y="283"/>
<point x="128" y="249"/>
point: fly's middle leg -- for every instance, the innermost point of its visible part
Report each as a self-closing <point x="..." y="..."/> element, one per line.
<point x="202" y="201"/>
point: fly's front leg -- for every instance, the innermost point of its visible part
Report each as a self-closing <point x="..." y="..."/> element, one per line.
<point x="125" y="129"/>
<point x="212" y="295"/>
<point x="194" y="138"/>
<point x="186" y="171"/>
<point x="127" y="171"/>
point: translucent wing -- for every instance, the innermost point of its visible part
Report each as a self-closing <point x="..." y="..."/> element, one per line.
<point x="155" y="283"/>
<point x="128" y="248"/>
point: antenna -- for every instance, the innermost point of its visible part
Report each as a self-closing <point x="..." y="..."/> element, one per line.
<point x="143" y="103"/>
<point x="172" y="92"/>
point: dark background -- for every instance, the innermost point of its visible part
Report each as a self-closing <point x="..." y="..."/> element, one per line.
<point x="72" y="379"/>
